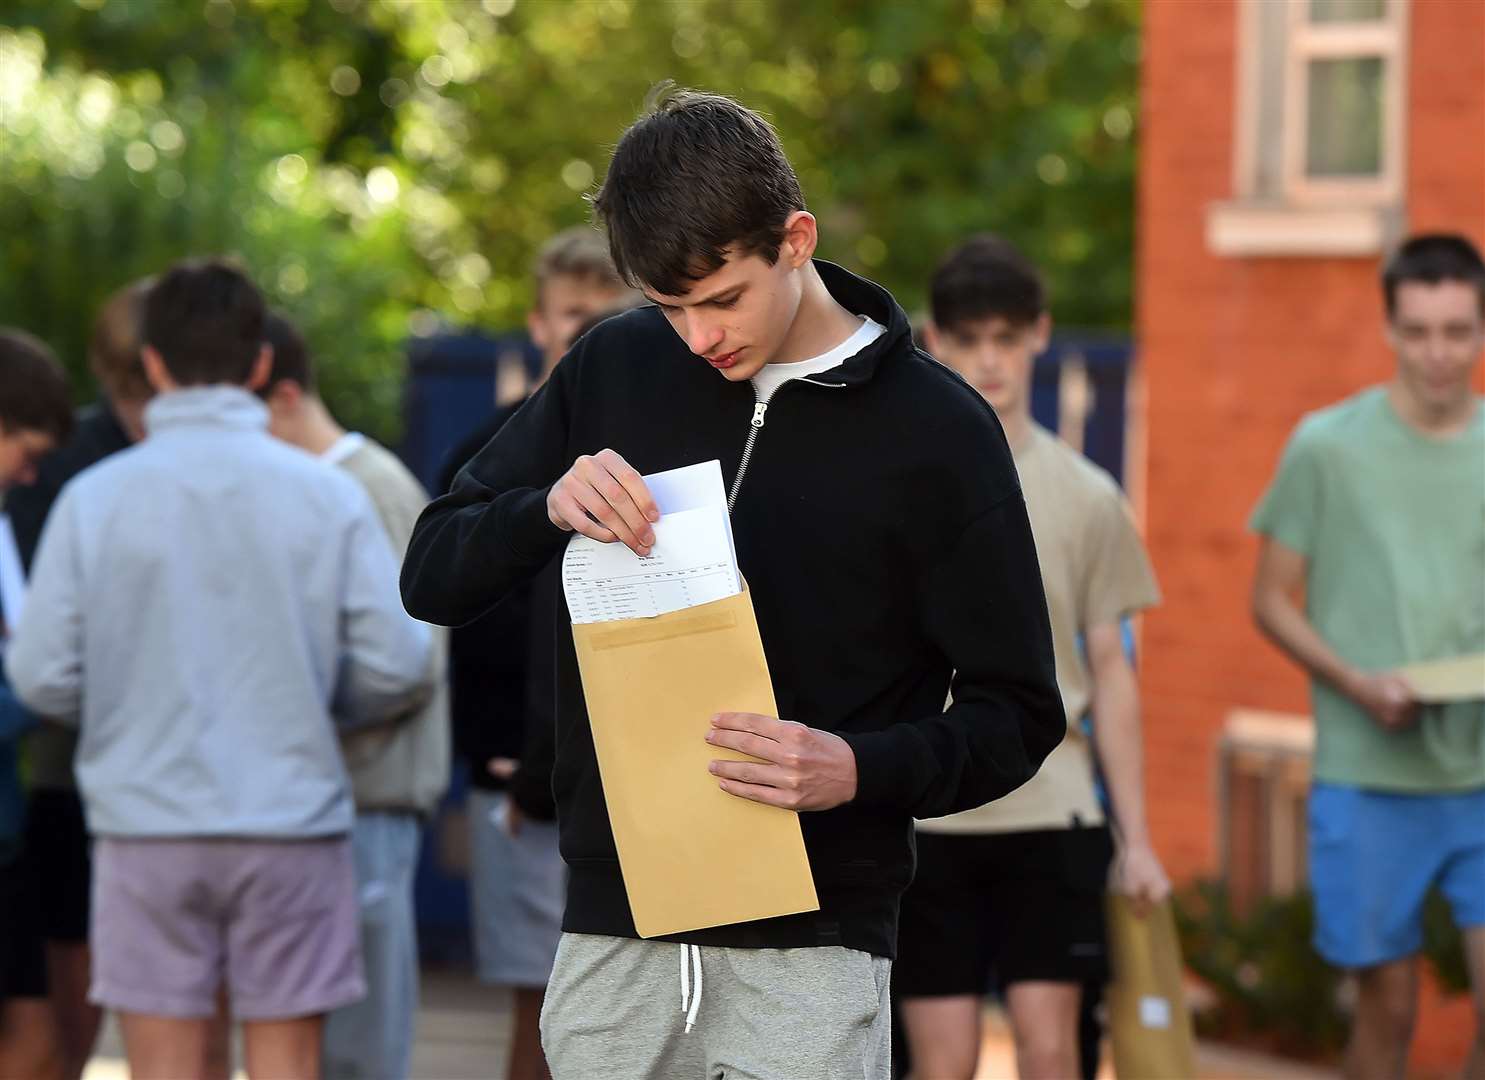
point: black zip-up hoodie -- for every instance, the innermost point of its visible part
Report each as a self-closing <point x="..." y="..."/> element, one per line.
<point x="880" y="525"/>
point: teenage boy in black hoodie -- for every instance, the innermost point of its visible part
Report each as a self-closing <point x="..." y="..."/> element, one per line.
<point x="881" y="528"/>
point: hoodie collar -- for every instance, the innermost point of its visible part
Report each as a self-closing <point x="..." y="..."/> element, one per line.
<point x="862" y="297"/>
<point x="217" y="406"/>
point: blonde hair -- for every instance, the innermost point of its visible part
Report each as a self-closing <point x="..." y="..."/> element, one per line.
<point x="118" y="334"/>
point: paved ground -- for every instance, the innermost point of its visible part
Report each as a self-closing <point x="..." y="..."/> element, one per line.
<point x="463" y="1031"/>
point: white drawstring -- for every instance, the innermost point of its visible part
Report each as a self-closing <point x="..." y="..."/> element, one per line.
<point x="690" y="1004"/>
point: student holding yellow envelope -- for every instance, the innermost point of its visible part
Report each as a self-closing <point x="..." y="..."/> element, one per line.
<point x="881" y="531"/>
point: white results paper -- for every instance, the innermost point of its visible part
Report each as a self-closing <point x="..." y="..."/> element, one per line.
<point x="693" y="560"/>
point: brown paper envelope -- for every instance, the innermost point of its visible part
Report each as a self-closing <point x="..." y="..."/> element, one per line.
<point x="1149" y="1023"/>
<point x="692" y="855"/>
<point x="1459" y="678"/>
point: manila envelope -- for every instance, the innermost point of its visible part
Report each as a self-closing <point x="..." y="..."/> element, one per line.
<point x="692" y="855"/>
<point x="1459" y="678"/>
<point x="1148" y="1019"/>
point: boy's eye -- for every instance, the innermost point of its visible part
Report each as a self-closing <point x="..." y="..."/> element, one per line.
<point x="726" y="305"/>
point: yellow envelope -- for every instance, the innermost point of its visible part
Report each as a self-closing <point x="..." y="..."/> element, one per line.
<point x="1149" y="1023"/>
<point x="1459" y="678"/>
<point x="692" y="855"/>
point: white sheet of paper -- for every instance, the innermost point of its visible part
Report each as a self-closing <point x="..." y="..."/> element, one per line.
<point x="690" y="488"/>
<point x="690" y="564"/>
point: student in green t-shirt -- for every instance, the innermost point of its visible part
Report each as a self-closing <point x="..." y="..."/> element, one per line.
<point x="1377" y="517"/>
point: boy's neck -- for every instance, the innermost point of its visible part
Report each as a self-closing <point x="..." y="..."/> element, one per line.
<point x="1434" y="422"/>
<point x="317" y="429"/>
<point x="1016" y="423"/>
<point x="820" y="324"/>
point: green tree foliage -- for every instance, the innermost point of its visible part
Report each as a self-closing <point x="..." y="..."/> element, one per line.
<point x="384" y="166"/>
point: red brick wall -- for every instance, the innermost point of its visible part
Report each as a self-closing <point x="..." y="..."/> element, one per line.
<point x="1234" y="351"/>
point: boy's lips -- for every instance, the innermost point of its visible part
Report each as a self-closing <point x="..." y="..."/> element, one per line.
<point x="726" y="360"/>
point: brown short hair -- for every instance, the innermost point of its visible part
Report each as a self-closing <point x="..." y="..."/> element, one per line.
<point x="205" y="318"/>
<point x="118" y="334"/>
<point x="696" y="175"/>
<point x="579" y="252"/>
<point x="33" y="390"/>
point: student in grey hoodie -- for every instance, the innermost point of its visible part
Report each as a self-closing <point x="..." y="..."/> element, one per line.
<point x="201" y="605"/>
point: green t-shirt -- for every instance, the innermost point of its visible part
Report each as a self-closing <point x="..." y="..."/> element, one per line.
<point x="1392" y="524"/>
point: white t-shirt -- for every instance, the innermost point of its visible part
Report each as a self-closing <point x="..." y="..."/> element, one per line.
<point x="774" y="376"/>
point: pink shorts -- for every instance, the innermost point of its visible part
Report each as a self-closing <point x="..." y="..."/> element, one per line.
<point x="274" y="921"/>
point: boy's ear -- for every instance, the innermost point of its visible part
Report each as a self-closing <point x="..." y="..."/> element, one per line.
<point x="801" y="237"/>
<point x="1042" y="328"/>
<point x="930" y="337"/>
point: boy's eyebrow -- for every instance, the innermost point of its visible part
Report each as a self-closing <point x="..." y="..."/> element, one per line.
<point x="728" y="292"/>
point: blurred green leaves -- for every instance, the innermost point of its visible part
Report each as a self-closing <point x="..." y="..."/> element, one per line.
<point x="386" y="165"/>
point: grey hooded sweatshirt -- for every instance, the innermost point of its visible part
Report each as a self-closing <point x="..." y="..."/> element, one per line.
<point x="202" y="604"/>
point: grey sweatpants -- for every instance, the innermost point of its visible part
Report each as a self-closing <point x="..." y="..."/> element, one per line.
<point x="616" y="1008"/>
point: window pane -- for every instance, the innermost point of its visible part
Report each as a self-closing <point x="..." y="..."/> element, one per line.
<point x="1328" y="11"/>
<point x="1344" y="132"/>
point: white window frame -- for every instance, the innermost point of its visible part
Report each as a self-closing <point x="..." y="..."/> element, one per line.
<point x="1312" y="216"/>
<point x="1384" y="39"/>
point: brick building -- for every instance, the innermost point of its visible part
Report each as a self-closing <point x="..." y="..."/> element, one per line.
<point x="1286" y="144"/>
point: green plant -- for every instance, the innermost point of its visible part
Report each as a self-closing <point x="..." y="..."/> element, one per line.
<point x="1272" y="989"/>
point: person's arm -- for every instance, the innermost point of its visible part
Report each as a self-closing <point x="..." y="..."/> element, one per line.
<point x="984" y="607"/>
<point x="43" y="659"/>
<point x="1119" y="744"/>
<point x="491" y="531"/>
<point x="387" y="665"/>
<point x="1277" y="584"/>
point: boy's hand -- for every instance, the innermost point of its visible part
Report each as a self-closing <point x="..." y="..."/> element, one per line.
<point x="602" y="496"/>
<point x="801" y="768"/>
<point x="1387" y="696"/>
<point x="1137" y="874"/>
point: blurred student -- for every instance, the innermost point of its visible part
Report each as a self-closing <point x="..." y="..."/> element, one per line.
<point x="56" y="835"/>
<point x="1376" y="518"/>
<point x="1017" y="886"/>
<point x="199" y="604"/>
<point x="516" y="873"/>
<point x="35" y="415"/>
<point x="399" y="771"/>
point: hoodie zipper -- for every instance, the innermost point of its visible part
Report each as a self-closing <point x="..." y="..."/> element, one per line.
<point x="760" y="411"/>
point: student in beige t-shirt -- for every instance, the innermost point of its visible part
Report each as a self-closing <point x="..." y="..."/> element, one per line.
<point x="1016" y="886"/>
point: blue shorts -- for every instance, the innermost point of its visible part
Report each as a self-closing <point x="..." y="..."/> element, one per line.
<point x="1373" y="857"/>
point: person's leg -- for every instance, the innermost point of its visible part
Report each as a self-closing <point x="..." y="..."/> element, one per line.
<point x="943" y="953"/>
<point x="1474" y="948"/>
<point x="781" y="1014"/>
<point x="163" y="1047"/>
<point x="1055" y="943"/>
<point x="1386" y="1004"/>
<point x="1373" y="858"/>
<point x="1044" y="1023"/>
<point x="613" y="1008"/>
<point x="516" y="893"/>
<point x="56" y="827"/>
<point x="217" y="1055"/>
<point x="283" y="1049"/>
<point x="28" y="1040"/>
<point x="293" y="948"/>
<point x="1463" y="883"/>
<point x="69" y="966"/>
<point x="373" y="1037"/>
<point x="527" y="1062"/>
<point x="944" y="1033"/>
